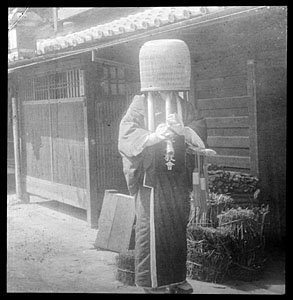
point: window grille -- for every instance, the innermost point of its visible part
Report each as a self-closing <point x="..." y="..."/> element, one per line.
<point x="58" y="85"/>
<point x="113" y="80"/>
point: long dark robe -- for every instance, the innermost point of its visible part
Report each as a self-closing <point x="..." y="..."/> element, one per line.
<point x="162" y="195"/>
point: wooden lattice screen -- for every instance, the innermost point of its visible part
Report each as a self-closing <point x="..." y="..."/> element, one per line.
<point x="110" y="108"/>
<point x="57" y="85"/>
<point x="53" y="137"/>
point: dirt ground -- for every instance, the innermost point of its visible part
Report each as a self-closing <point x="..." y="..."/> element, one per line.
<point x="50" y="249"/>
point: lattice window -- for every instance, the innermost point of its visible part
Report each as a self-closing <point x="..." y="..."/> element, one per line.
<point x="29" y="90"/>
<point x="58" y="85"/>
<point x="113" y="81"/>
<point x="40" y="86"/>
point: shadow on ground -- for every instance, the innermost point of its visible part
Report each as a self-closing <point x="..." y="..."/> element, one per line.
<point x="10" y="184"/>
<point x="51" y="204"/>
<point x="273" y="276"/>
<point x="64" y="208"/>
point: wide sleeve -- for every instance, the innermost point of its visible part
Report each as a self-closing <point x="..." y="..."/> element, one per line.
<point x="194" y="121"/>
<point x="132" y="131"/>
<point x="131" y="144"/>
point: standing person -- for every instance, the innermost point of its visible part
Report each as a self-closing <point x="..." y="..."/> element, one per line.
<point x="161" y="192"/>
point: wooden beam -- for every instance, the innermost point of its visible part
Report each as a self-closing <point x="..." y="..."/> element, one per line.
<point x="228" y="141"/>
<point x="230" y="161"/>
<point x="232" y="151"/>
<point x="227" y="122"/>
<point x="55" y="18"/>
<point x="221" y="103"/>
<point x="61" y="192"/>
<point x="252" y="118"/>
<point x="94" y="204"/>
<point x="228" y="132"/>
<point x="54" y="101"/>
<point x="111" y="62"/>
<point x="16" y="148"/>
<point x="226" y="112"/>
<point x="20" y="194"/>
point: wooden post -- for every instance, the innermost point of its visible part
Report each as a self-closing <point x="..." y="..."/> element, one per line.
<point x="252" y="109"/>
<point x="55" y="19"/>
<point x="16" y="142"/>
<point x="94" y="203"/>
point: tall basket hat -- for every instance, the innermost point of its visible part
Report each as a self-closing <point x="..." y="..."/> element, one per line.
<point x="164" y="66"/>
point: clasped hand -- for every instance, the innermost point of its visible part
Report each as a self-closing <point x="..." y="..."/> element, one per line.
<point x="174" y="124"/>
<point x="166" y="131"/>
<point x="170" y="128"/>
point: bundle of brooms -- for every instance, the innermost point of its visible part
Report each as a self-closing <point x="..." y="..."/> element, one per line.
<point x="234" y="250"/>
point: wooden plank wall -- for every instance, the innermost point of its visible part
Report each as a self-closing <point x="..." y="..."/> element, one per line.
<point x="109" y="162"/>
<point x="36" y="141"/>
<point x="271" y="87"/>
<point x="222" y="98"/>
<point x="219" y="58"/>
<point x="68" y="144"/>
<point x="53" y="137"/>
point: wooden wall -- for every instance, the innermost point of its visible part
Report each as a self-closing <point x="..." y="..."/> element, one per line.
<point x="109" y="163"/>
<point x="53" y="132"/>
<point x="271" y="85"/>
<point x="222" y="98"/>
<point x="36" y="141"/>
<point x="68" y="144"/>
<point x="220" y="54"/>
<point x="110" y="106"/>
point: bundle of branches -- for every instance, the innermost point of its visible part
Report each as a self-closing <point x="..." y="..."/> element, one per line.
<point x="229" y="182"/>
<point x="126" y="268"/>
<point x="216" y="204"/>
<point x="245" y="229"/>
<point x="208" y="257"/>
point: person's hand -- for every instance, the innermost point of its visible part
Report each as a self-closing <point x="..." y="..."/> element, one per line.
<point x="175" y="124"/>
<point x="162" y="133"/>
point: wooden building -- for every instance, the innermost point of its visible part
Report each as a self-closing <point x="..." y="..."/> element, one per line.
<point x="73" y="95"/>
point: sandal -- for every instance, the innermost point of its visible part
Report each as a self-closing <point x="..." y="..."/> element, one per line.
<point x="183" y="288"/>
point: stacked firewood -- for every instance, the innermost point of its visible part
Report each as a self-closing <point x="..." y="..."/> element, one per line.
<point x="229" y="182"/>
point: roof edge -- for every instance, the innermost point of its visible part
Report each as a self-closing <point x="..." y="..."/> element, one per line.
<point x="208" y="19"/>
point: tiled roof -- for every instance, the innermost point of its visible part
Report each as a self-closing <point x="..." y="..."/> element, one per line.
<point x="148" y="19"/>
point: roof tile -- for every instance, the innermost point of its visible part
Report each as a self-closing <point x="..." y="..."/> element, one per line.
<point x="150" y="18"/>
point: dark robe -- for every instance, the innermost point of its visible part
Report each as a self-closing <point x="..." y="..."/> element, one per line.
<point x="161" y="195"/>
